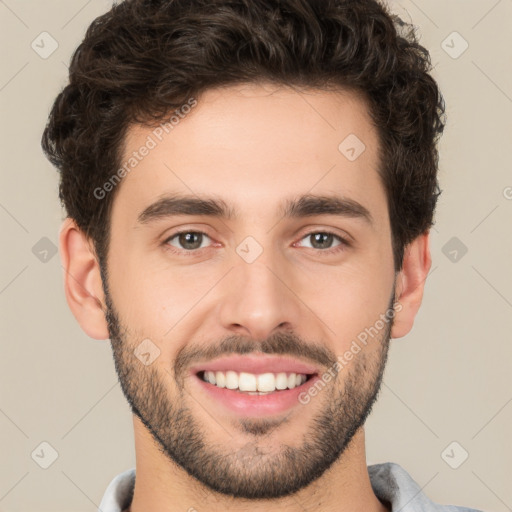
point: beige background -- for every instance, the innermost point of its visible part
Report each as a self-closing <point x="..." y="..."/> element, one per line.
<point x="448" y="380"/>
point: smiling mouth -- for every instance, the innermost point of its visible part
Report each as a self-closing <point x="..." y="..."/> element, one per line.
<point x="254" y="384"/>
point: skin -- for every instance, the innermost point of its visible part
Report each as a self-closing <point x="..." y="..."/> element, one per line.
<point x="268" y="144"/>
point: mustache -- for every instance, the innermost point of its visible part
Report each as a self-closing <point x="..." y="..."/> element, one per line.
<point x="283" y="343"/>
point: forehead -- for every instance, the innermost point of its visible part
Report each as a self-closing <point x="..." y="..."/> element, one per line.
<point x="252" y="146"/>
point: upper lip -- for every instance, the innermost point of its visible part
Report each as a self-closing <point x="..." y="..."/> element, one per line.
<point x="256" y="364"/>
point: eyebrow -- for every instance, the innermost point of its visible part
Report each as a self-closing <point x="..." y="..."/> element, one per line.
<point x="307" y="205"/>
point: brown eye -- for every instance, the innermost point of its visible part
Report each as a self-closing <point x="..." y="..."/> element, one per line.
<point x="187" y="240"/>
<point x="323" y="241"/>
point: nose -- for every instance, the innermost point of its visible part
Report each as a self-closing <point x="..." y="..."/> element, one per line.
<point x="259" y="299"/>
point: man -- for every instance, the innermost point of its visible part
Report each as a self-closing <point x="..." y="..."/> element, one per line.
<point x="249" y="189"/>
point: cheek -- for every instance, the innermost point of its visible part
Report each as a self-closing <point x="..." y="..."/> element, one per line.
<point x="352" y="298"/>
<point x="155" y="296"/>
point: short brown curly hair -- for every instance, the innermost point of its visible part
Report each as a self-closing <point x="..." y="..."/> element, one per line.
<point x="145" y="58"/>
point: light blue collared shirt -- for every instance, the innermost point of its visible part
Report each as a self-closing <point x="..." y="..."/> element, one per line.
<point x="390" y="483"/>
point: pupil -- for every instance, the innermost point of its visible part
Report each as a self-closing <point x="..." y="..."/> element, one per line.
<point x="327" y="237"/>
<point x="187" y="238"/>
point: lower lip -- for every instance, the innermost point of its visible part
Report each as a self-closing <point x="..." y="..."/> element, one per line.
<point x="256" y="405"/>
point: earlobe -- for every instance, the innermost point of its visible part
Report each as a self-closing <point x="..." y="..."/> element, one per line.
<point x="410" y="283"/>
<point x="82" y="280"/>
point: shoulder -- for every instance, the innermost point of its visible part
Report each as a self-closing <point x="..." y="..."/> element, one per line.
<point x="119" y="493"/>
<point x="392" y="483"/>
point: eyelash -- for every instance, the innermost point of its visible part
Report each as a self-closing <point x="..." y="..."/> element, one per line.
<point x="343" y="245"/>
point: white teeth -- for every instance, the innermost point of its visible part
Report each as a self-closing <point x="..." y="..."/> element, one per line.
<point x="254" y="384"/>
<point x="266" y="382"/>
<point x="246" y="382"/>
<point x="281" y="381"/>
<point x="231" y="380"/>
<point x="220" y="379"/>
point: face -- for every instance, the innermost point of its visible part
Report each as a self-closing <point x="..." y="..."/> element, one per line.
<point x="248" y="257"/>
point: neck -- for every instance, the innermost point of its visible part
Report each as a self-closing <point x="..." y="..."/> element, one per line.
<point x="161" y="486"/>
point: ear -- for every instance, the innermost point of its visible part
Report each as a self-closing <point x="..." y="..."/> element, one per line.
<point x="82" y="280"/>
<point x="410" y="283"/>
